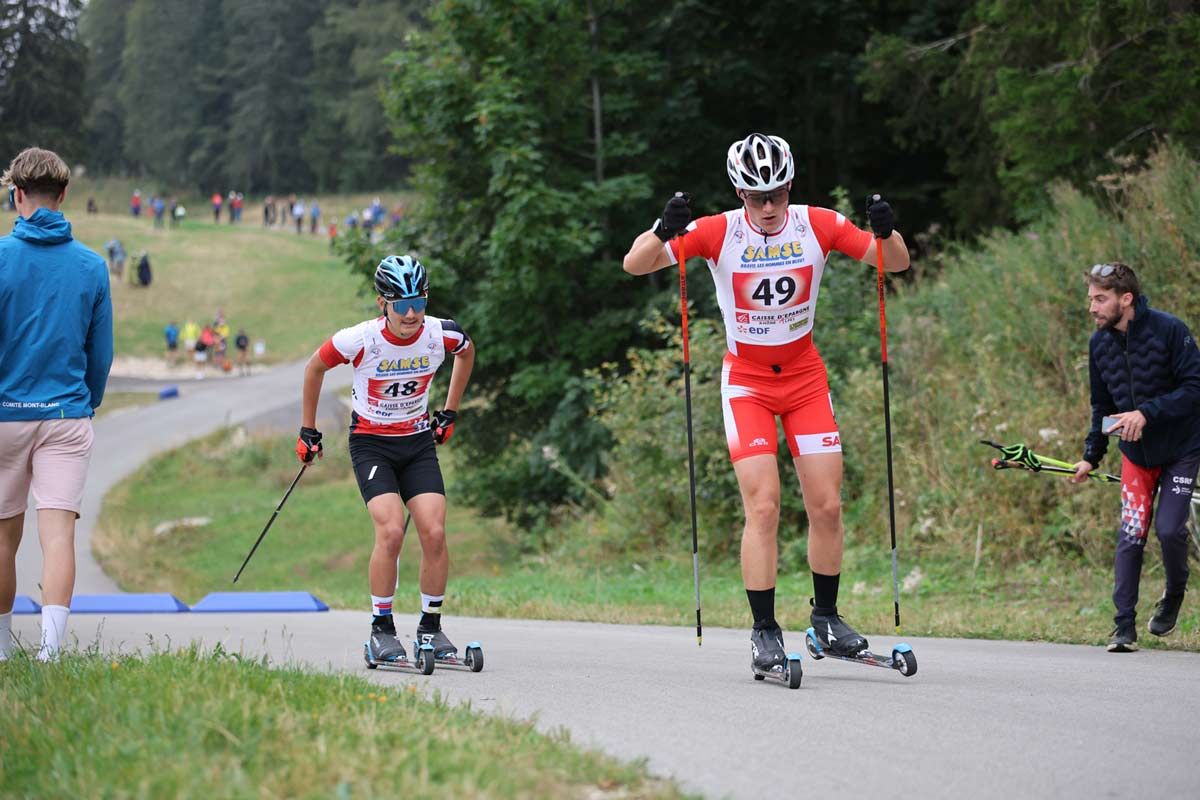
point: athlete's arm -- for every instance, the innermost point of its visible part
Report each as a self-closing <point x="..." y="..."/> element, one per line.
<point x="314" y="378"/>
<point x="895" y="253"/>
<point x="460" y="373"/>
<point x="646" y="255"/>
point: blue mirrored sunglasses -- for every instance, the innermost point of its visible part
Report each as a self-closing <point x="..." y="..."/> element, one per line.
<point x="417" y="304"/>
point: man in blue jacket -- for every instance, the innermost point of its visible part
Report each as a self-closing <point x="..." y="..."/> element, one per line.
<point x="55" y="351"/>
<point x="1145" y="376"/>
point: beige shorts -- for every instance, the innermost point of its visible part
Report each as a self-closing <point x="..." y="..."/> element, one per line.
<point x="50" y="457"/>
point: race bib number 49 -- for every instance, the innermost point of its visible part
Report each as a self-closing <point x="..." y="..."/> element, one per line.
<point x="772" y="291"/>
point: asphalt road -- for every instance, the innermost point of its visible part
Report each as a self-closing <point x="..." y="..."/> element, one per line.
<point x="981" y="719"/>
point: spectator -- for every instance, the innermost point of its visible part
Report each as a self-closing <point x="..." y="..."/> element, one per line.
<point x="1145" y="374"/>
<point x="203" y="346"/>
<point x="116" y="256"/>
<point x="159" y="206"/>
<point x="216" y="201"/>
<point x="171" y="333"/>
<point x="92" y="208"/>
<point x="221" y="333"/>
<point x="298" y="215"/>
<point x="56" y="290"/>
<point x="135" y="203"/>
<point x="268" y="211"/>
<point x="332" y="234"/>
<point x="190" y="333"/>
<point x="142" y="275"/>
<point x="238" y="201"/>
<point x="178" y="213"/>
<point x="314" y="217"/>
<point x="243" y="346"/>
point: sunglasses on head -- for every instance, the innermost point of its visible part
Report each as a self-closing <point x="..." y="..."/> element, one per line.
<point x="401" y="306"/>
<point x="1104" y="270"/>
<point x="760" y="199"/>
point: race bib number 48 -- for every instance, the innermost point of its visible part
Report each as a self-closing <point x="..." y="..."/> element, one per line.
<point x="772" y="291"/>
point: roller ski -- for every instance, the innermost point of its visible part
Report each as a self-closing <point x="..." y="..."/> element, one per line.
<point x="768" y="659"/>
<point x="831" y="637"/>
<point x="446" y="654"/>
<point x="384" y="649"/>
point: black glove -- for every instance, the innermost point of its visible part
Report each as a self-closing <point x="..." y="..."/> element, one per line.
<point x="443" y="425"/>
<point x="675" y="217"/>
<point x="308" y="445"/>
<point x="880" y="215"/>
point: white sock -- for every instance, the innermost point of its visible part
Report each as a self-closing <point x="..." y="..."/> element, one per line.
<point x="54" y="631"/>
<point x="432" y="603"/>
<point x="5" y="636"/>
<point x="381" y="606"/>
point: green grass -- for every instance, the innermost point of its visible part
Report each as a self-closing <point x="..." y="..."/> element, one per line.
<point x="322" y="540"/>
<point x="195" y="724"/>
<point x="115" y="401"/>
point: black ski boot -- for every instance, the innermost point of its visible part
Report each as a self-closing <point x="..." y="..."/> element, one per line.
<point x="1123" y="638"/>
<point x="442" y="646"/>
<point x="766" y="648"/>
<point x="383" y="644"/>
<point x="1166" y="612"/>
<point x="834" y="634"/>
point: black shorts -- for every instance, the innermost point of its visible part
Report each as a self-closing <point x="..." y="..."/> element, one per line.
<point x="407" y="465"/>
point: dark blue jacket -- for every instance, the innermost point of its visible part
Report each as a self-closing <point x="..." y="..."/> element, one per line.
<point x="56" y="339"/>
<point x="1154" y="367"/>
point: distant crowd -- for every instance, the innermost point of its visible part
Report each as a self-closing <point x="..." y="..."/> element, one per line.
<point x="208" y="345"/>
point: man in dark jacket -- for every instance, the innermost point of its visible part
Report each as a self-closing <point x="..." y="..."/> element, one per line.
<point x="1145" y="377"/>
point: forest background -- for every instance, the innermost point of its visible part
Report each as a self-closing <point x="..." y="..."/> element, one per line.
<point x="1019" y="142"/>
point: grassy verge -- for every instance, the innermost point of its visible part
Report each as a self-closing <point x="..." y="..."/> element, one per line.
<point x="192" y="724"/>
<point x="322" y="541"/>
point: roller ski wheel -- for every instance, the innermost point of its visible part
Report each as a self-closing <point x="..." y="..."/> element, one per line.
<point x="422" y="662"/>
<point x="903" y="659"/>
<point x="789" y="674"/>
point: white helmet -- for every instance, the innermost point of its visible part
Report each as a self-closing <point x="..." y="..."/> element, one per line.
<point x="760" y="163"/>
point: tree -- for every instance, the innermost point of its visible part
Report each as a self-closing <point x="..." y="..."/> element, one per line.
<point x="102" y="29"/>
<point x="41" y="97"/>
<point x="1021" y="92"/>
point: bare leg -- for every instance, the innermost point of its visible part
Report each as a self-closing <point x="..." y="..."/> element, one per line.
<point x="56" y="530"/>
<point x="387" y="515"/>
<point x="429" y="514"/>
<point x="820" y="477"/>
<point x="10" y="540"/>
<point x="758" y="480"/>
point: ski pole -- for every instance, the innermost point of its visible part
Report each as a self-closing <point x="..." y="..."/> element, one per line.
<point x="687" y="393"/>
<point x="278" y="508"/>
<point x="887" y="425"/>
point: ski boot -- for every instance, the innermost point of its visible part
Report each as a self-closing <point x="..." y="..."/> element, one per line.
<point x="444" y="651"/>
<point x="383" y="648"/>
<point x="834" y="635"/>
<point x="768" y="659"/>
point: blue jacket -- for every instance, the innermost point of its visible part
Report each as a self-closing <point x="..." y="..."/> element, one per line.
<point x="1154" y="367"/>
<point x="56" y="341"/>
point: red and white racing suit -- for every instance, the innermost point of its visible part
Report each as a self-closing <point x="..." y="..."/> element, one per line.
<point x="392" y="375"/>
<point x="767" y="287"/>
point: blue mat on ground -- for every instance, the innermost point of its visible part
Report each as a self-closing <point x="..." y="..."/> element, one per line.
<point x="24" y="604"/>
<point x="127" y="604"/>
<point x="218" y="602"/>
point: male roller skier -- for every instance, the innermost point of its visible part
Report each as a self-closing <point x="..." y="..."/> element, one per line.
<point x="766" y="259"/>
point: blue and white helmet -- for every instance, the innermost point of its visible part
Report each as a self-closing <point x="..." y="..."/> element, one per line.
<point x="401" y="278"/>
<point x="760" y="163"/>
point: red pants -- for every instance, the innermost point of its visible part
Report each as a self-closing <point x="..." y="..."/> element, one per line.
<point x="753" y="395"/>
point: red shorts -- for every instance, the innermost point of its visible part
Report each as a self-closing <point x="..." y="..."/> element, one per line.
<point x="752" y="395"/>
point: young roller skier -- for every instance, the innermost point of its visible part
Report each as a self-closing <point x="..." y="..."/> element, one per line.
<point x="766" y="259"/>
<point x="393" y="438"/>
